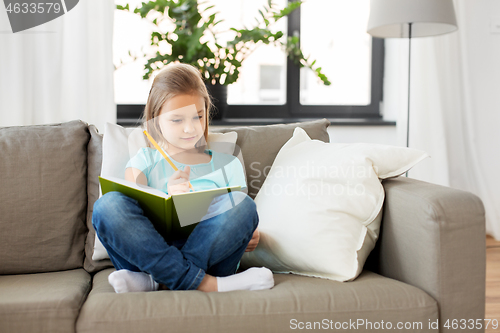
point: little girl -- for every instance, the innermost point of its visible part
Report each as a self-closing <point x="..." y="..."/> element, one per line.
<point x="176" y="116"/>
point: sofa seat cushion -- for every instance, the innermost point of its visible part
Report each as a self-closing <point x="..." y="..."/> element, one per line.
<point x="43" y="302"/>
<point x="294" y="301"/>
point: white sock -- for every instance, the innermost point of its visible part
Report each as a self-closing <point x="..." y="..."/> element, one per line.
<point x="254" y="278"/>
<point x="125" y="281"/>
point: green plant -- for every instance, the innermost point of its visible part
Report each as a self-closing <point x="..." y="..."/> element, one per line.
<point x="219" y="64"/>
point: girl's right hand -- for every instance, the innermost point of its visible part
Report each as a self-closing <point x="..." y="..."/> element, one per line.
<point x="179" y="181"/>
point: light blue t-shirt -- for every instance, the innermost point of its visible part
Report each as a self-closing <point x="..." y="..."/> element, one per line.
<point x="223" y="170"/>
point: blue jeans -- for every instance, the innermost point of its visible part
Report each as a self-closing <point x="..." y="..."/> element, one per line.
<point x="215" y="246"/>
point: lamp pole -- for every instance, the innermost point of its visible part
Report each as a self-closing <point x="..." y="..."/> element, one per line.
<point x="409" y="72"/>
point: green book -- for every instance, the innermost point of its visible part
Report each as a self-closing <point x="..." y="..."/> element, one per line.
<point x="173" y="216"/>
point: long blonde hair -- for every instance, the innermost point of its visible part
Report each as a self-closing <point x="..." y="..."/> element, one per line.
<point x="174" y="79"/>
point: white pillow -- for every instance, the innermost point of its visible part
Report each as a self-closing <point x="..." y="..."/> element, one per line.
<point x="320" y="206"/>
<point x="121" y="144"/>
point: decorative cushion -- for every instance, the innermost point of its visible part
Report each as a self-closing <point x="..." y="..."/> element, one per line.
<point x="121" y="144"/>
<point x="320" y="207"/>
<point x="43" y="173"/>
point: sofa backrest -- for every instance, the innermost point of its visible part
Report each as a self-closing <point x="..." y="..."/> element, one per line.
<point x="43" y="197"/>
<point x="94" y="150"/>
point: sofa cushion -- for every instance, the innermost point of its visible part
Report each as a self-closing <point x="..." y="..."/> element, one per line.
<point x="43" y="198"/>
<point x="44" y="302"/>
<point x="370" y="297"/>
<point x="260" y="145"/>
<point x="94" y="170"/>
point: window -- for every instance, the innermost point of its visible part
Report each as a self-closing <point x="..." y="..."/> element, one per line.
<point x="265" y="66"/>
<point x="333" y="32"/>
<point x="336" y="37"/>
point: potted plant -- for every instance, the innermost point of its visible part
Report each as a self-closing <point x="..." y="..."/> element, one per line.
<point x="218" y="64"/>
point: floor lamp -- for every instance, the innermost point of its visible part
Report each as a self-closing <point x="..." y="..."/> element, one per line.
<point x="410" y="19"/>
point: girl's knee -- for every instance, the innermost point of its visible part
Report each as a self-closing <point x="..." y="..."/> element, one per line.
<point x="101" y="206"/>
<point x="246" y="209"/>
<point x="246" y="202"/>
<point x="239" y="197"/>
<point x="105" y="208"/>
<point x="108" y="199"/>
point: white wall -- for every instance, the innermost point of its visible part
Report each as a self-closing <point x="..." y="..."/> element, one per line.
<point x="371" y="134"/>
<point x="483" y="58"/>
<point x="479" y="29"/>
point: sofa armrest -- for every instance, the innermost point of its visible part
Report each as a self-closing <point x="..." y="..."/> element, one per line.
<point x="433" y="237"/>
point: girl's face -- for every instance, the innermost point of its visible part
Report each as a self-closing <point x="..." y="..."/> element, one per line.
<point x="182" y="122"/>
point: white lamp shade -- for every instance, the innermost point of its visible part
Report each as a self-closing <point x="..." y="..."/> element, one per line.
<point x="390" y="18"/>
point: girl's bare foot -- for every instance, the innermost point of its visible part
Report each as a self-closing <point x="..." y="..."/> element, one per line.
<point x="208" y="284"/>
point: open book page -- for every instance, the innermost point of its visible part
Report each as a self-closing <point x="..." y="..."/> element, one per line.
<point x="198" y="206"/>
<point x="175" y="216"/>
<point x="139" y="187"/>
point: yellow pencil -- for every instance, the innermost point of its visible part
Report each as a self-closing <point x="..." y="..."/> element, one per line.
<point x="150" y="138"/>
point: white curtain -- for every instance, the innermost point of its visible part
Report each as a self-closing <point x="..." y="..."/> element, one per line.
<point x="61" y="70"/>
<point x="455" y="106"/>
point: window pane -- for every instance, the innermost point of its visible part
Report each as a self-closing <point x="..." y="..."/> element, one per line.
<point x="336" y="37"/>
<point x="262" y="77"/>
<point x="130" y="33"/>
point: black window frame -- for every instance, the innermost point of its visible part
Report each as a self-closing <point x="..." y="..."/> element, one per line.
<point x="292" y="110"/>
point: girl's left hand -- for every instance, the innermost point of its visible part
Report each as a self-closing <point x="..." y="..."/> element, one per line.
<point x="254" y="241"/>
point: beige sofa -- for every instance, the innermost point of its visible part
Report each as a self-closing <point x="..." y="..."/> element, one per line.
<point x="428" y="265"/>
